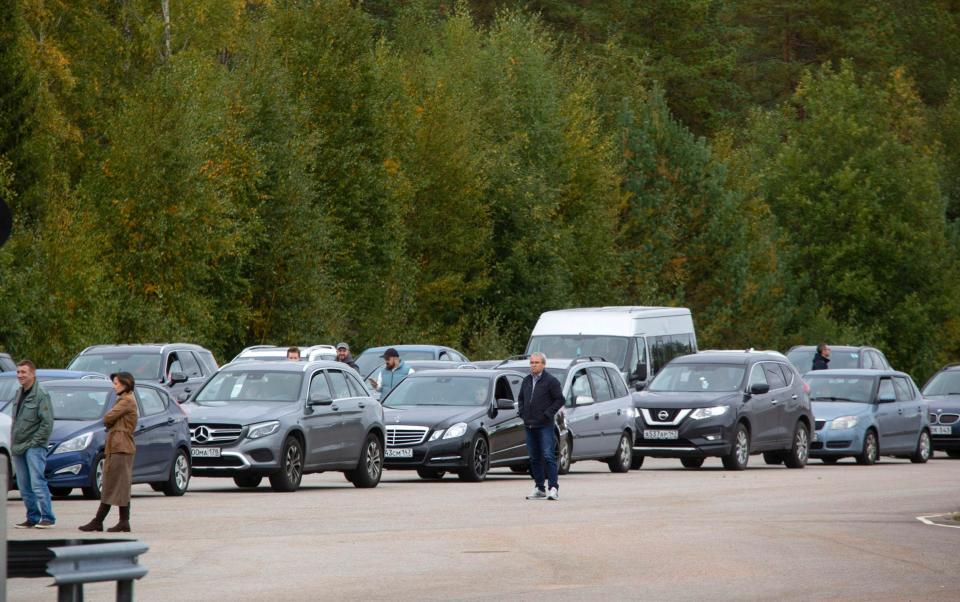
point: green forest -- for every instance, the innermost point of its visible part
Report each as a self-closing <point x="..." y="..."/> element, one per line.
<point x="232" y="172"/>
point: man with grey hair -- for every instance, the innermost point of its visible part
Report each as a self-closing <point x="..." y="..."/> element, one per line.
<point x="541" y="397"/>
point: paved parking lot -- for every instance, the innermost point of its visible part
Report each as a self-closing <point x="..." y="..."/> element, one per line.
<point x="662" y="533"/>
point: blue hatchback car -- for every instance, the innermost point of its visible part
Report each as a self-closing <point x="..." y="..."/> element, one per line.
<point x="868" y="413"/>
<point x="75" y="456"/>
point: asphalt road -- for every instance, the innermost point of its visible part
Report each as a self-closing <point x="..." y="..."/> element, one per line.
<point x="841" y="532"/>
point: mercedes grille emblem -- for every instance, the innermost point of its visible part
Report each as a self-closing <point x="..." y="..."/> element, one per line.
<point x="663" y="415"/>
<point x="201" y="434"/>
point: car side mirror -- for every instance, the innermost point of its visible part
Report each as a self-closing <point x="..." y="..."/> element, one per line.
<point x="759" y="388"/>
<point x="320" y="399"/>
<point x="584" y="400"/>
<point x="641" y="372"/>
<point x="639" y="386"/>
<point x="178" y="377"/>
<point x="886" y="398"/>
<point x="505" y="404"/>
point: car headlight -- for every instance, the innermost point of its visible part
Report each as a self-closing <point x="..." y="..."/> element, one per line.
<point x="74" y="445"/>
<point x="701" y="413"/>
<point x="436" y="435"/>
<point x="844" y="422"/>
<point x="456" y="430"/>
<point x="263" y="429"/>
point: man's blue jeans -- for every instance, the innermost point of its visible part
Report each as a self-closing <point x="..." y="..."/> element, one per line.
<point x="33" y="484"/>
<point x="542" y="447"/>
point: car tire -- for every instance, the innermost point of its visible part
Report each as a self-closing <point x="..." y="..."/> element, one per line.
<point x="799" y="452"/>
<point x="250" y="482"/>
<point x="478" y="461"/>
<point x="624" y="457"/>
<point x="692" y="462"/>
<point x="430" y="474"/>
<point x="830" y="460"/>
<point x="636" y="463"/>
<point x="60" y="491"/>
<point x="924" y="449"/>
<point x="291" y="467"/>
<point x="772" y="458"/>
<point x="955" y="454"/>
<point x="739" y="455"/>
<point x="871" y="450"/>
<point x="179" y="479"/>
<point x="157" y="487"/>
<point x="564" y="455"/>
<point x="520" y="469"/>
<point x="92" y="490"/>
<point x="370" y="466"/>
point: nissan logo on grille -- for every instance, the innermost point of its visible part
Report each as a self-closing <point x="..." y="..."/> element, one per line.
<point x="201" y="434"/>
<point x="663" y="415"/>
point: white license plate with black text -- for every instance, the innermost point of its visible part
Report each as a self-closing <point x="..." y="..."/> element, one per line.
<point x="398" y="452"/>
<point x="205" y="452"/>
<point x="660" y="434"/>
<point x="941" y="430"/>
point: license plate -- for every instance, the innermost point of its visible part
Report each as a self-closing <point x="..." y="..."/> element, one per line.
<point x="941" y="430"/>
<point x="660" y="434"/>
<point x="399" y="452"/>
<point x="205" y="452"/>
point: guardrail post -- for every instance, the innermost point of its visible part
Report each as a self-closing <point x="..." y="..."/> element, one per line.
<point x="4" y="479"/>
<point x="72" y="566"/>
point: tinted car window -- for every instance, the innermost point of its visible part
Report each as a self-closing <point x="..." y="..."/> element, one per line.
<point x="338" y="382"/>
<point x="356" y="389"/>
<point x="903" y="389"/>
<point x="758" y="376"/>
<point x="503" y="389"/>
<point x="259" y="385"/>
<point x="320" y="386"/>
<point x="619" y="389"/>
<point x="868" y="361"/>
<point x="439" y="391"/>
<point x="774" y="375"/>
<point x="944" y="383"/>
<point x="826" y="387"/>
<point x="788" y="374"/>
<point x="886" y="389"/>
<point x="612" y="349"/>
<point x="150" y="401"/>
<point x="880" y="361"/>
<point x="601" y="385"/>
<point x="692" y="378"/>
<point x="189" y="364"/>
<point x="78" y="404"/>
<point x="143" y="366"/>
<point x="580" y="387"/>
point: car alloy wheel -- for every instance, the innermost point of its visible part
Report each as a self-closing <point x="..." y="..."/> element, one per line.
<point x="564" y="458"/>
<point x="923" y="451"/>
<point x="743" y="447"/>
<point x="374" y="459"/>
<point x="181" y="475"/>
<point x="293" y="463"/>
<point x="797" y="456"/>
<point x="100" y="475"/>
<point x="871" y="450"/>
<point x="739" y="456"/>
<point x="480" y="456"/>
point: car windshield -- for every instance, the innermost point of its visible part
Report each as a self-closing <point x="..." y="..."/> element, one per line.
<point x="259" y="385"/>
<point x="439" y="391"/>
<point x="369" y="360"/>
<point x="142" y="365"/>
<point x="8" y="388"/>
<point x="841" y="388"/>
<point x="802" y="359"/>
<point x="944" y="383"/>
<point x="612" y="349"/>
<point x="79" y="404"/>
<point x="698" y="378"/>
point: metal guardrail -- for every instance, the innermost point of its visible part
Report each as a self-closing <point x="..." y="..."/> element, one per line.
<point x="73" y="566"/>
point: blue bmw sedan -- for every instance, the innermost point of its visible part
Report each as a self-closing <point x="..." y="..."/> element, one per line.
<point x="75" y="450"/>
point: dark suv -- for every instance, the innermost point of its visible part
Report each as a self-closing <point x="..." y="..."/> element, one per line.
<point x="725" y="403"/>
<point x="180" y="367"/>
<point x="842" y="357"/>
<point x="283" y="420"/>
<point x="942" y="393"/>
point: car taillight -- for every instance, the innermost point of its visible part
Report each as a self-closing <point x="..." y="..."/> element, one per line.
<point x="806" y="387"/>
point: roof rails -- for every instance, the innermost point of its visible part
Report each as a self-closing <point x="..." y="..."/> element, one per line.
<point x="587" y="358"/>
<point x="512" y="358"/>
<point x="467" y="367"/>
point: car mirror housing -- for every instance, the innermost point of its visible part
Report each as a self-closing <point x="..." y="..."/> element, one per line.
<point x="584" y="400"/>
<point x="759" y="388"/>
<point x="505" y="404"/>
<point x="178" y="377"/>
<point x="320" y="399"/>
<point x="886" y="399"/>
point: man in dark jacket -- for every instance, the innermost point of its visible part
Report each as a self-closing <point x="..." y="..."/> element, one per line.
<point x="344" y="357"/>
<point x="541" y="397"/>
<point x="821" y="361"/>
<point x="32" y="425"/>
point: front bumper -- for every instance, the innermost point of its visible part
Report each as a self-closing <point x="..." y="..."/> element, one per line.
<point x="244" y="457"/>
<point x="827" y="442"/>
<point x="70" y="469"/>
<point x="442" y="454"/>
<point x="695" y="438"/>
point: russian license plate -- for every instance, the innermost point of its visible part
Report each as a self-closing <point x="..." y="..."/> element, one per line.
<point x="205" y="452"/>
<point x="941" y="430"/>
<point x="398" y="452"/>
<point x="660" y="434"/>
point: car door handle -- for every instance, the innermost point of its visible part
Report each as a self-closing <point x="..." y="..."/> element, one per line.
<point x="335" y="408"/>
<point x="794" y="397"/>
<point x="362" y="405"/>
<point x="170" y="421"/>
<point x="619" y="412"/>
<point x="596" y="416"/>
<point x="773" y="402"/>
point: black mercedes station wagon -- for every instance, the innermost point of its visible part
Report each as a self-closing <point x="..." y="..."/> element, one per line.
<point x="729" y="404"/>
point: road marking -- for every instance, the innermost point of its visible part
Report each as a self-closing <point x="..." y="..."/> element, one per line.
<point x="926" y="520"/>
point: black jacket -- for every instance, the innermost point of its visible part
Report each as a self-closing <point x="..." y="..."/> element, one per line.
<point x="349" y="361"/>
<point x="547" y="399"/>
<point x="820" y="362"/>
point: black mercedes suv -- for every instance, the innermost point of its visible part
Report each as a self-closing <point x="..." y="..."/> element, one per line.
<point x="729" y="404"/>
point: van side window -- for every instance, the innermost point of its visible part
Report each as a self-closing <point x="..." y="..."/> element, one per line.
<point x="666" y="347"/>
<point x="638" y="365"/>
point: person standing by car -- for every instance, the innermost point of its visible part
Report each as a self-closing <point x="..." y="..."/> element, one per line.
<point x="394" y="370"/>
<point x="541" y="397"/>
<point x="32" y="425"/>
<point x="119" y="451"/>
<point x="821" y="361"/>
<point x="344" y="356"/>
<point x="293" y="354"/>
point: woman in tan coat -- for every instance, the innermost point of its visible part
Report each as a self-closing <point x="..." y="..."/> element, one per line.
<point x="120" y="421"/>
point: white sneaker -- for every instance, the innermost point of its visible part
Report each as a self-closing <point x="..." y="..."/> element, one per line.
<point x="553" y="494"/>
<point x="538" y="494"/>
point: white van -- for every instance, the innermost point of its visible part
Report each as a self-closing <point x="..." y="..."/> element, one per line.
<point x="640" y="340"/>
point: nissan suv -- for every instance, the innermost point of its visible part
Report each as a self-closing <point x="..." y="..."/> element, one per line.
<point x="282" y="420"/>
<point x="179" y="367"/>
<point x="729" y="404"/>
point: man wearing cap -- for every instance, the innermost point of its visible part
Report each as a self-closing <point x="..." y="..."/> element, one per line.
<point x="394" y="370"/>
<point x="344" y="357"/>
